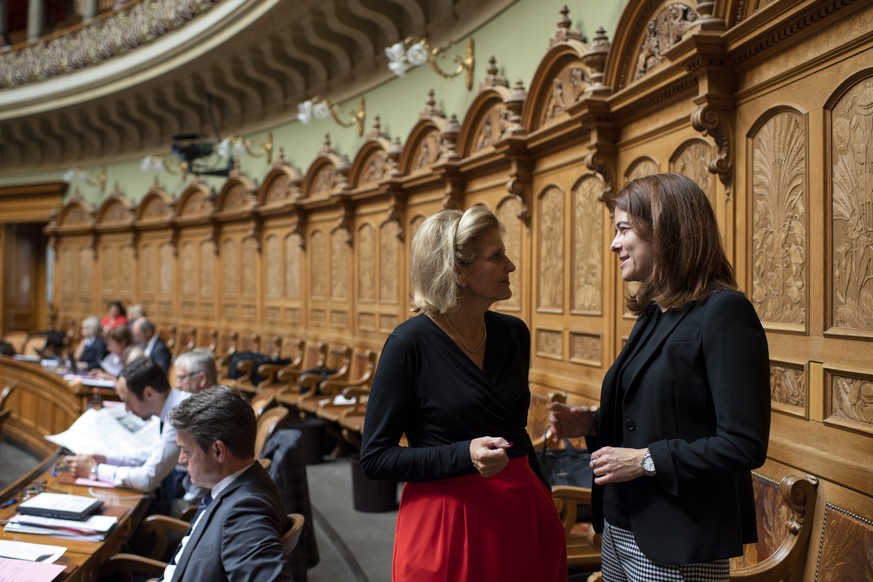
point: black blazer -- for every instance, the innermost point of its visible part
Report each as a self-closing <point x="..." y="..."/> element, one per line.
<point x="94" y="353"/>
<point x="161" y="355"/>
<point x="700" y="401"/>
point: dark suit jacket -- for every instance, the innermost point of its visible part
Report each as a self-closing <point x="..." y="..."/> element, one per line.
<point x="700" y="401"/>
<point x="238" y="537"/>
<point x="161" y="355"/>
<point x="94" y="354"/>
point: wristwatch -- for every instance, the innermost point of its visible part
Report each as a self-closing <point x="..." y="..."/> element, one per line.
<point x="647" y="464"/>
<point x="93" y="472"/>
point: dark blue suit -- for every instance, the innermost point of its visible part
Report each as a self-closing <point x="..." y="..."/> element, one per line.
<point x="93" y="354"/>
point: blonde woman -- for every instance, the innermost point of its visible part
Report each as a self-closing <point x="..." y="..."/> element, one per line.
<point x="454" y="380"/>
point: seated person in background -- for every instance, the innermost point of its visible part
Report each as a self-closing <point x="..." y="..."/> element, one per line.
<point x="121" y="352"/>
<point x="92" y="349"/>
<point x="195" y="370"/>
<point x="145" y="391"/>
<point x="115" y="317"/>
<point x="154" y="347"/>
<point x="237" y="534"/>
<point x="134" y="312"/>
<point x="6" y="349"/>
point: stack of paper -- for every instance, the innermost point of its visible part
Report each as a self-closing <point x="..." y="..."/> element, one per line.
<point x="24" y="571"/>
<point x="94" y="529"/>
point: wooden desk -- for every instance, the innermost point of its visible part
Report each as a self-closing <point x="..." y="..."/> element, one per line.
<point x="83" y="559"/>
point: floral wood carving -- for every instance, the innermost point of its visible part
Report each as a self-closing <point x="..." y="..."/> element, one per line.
<point x="852" y="209"/>
<point x="550" y="343"/>
<point x="508" y="213"/>
<point x="692" y="159"/>
<point x="293" y="264"/>
<point x="662" y="32"/>
<point x="155" y="209"/>
<point x="428" y="150"/>
<point x="779" y="215"/>
<point x="318" y="274"/>
<point x="366" y="263"/>
<point x="375" y="168"/>
<point x="278" y="190"/>
<point x="197" y="204"/>
<point x="852" y="399"/>
<point x="642" y="167"/>
<point x="272" y="260"/>
<point x="550" y="266"/>
<point x="390" y="247"/>
<point x="237" y="198"/>
<point x="339" y="260"/>
<point x="788" y="386"/>
<point x="586" y="247"/>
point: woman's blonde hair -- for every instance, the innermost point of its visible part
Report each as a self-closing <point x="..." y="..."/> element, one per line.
<point x="444" y="244"/>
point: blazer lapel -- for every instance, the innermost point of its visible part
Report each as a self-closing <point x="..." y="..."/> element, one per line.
<point x="205" y="520"/>
<point x="669" y="321"/>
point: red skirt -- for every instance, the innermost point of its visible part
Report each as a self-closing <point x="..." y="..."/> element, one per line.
<point x="501" y="529"/>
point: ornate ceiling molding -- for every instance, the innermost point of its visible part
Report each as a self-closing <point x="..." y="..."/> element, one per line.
<point x="125" y="84"/>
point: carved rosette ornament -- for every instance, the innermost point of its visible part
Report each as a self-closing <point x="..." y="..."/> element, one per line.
<point x="717" y="124"/>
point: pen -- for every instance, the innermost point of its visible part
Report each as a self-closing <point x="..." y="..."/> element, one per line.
<point x="8" y="502"/>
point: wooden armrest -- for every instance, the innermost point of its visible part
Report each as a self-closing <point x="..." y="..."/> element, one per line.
<point x="358" y="394"/>
<point x="270" y="373"/>
<point x="162" y="525"/>
<point x="128" y="564"/>
<point x="566" y="498"/>
<point x="333" y="387"/>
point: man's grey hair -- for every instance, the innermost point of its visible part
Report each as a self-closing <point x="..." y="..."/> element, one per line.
<point x="199" y="360"/>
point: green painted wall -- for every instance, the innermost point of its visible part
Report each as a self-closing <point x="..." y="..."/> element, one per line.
<point x="518" y="38"/>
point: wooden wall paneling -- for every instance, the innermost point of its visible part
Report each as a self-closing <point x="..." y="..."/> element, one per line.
<point x="196" y="260"/>
<point x="773" y="130"/>
<point x="156" y="256"/>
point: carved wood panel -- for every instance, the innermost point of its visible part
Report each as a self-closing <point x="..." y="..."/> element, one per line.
<point x="318" y="272"/>
<point x="852" y="210"/>
<point x="249" y="267"/>
<point x="127" y="269"/>
<point x="273" y="264"/>
<point x="692" y="158"/>
<point x="339" y="261"/>
<point x="366" y="255"/>
<point x="788" y="388"/>
<point x="663" y="31"/>
<point x="230" y="264"/>
<point x="849" y="400"/>
<point x="188" y="259"/>
<point x="779" y="237"/>
<point x="507" y="213"/>
<point x="293" y="264"/>
<point x="587" y="247"/>
<point x="844" y="547"/>
<point x="550" y="261"/>
<point x="389" y="257"/>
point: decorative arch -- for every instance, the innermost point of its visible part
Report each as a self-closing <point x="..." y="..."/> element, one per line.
<point x="376" y="159"/>
<point x="327" y="174"/>
<point x="561" y="79"/>
<point x="642" y="166"/>
<point x="424" y="145"/>
<point x="115" y="211"/>
<point x="488" y="117"/>
<point x="155" y="207"/>
<point x="237" y="195"/>
<point x="281" y="184"/>
<point x="692" y="158"/>
<point x="76" y="213"/>
<point x="196" y="201"/>
<point x="646" y="31"/>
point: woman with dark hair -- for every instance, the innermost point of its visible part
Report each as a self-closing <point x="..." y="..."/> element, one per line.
<point x="454" y="381"/>
<point x="685" y="409"/>
<point x="116" y="316"/>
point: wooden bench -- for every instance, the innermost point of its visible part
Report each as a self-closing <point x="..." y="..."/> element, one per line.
<point x="785" y="512"/>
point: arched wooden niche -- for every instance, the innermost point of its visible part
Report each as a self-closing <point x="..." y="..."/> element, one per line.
<point x="489" y="118"/>
<point x="282" y="184"/>
<point x="377" y="159"/>
<point x="328" y="173"/>
<point x="425" y="145"/>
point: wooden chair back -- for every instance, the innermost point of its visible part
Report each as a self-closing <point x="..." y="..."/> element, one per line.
<point x="16" y="339"/>
<point x="34" y="345"/>
<point x="5" y="413"/>
<point x="292" y="536"/>
<point x="785" y="513"/>
<point x="267" y="423"/>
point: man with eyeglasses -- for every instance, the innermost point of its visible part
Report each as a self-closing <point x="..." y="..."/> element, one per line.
<point x="195" y="370"/>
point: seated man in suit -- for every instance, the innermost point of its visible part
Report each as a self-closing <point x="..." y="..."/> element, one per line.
<point x="92" y="349"/>
<point x="237" y="533"/>
<point x="195" y="370"/>
<point x="145" y="391"/>
<point x="154" y="347"/>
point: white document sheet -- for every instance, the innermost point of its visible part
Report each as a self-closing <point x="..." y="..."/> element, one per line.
<point x="109" y="430"/>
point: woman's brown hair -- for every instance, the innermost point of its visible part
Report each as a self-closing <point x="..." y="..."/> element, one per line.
<point x="672" y="213"/>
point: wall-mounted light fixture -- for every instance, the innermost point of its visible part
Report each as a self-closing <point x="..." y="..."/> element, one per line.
<point x="170" y="164"/>
<point x="414" y="52"/>
<point x="319" y="108"/>
<point x="234" y="146"/>
<point x="81" y="176"/>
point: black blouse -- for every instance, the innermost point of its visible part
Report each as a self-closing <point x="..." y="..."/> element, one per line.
<point x="427" y="388"/>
